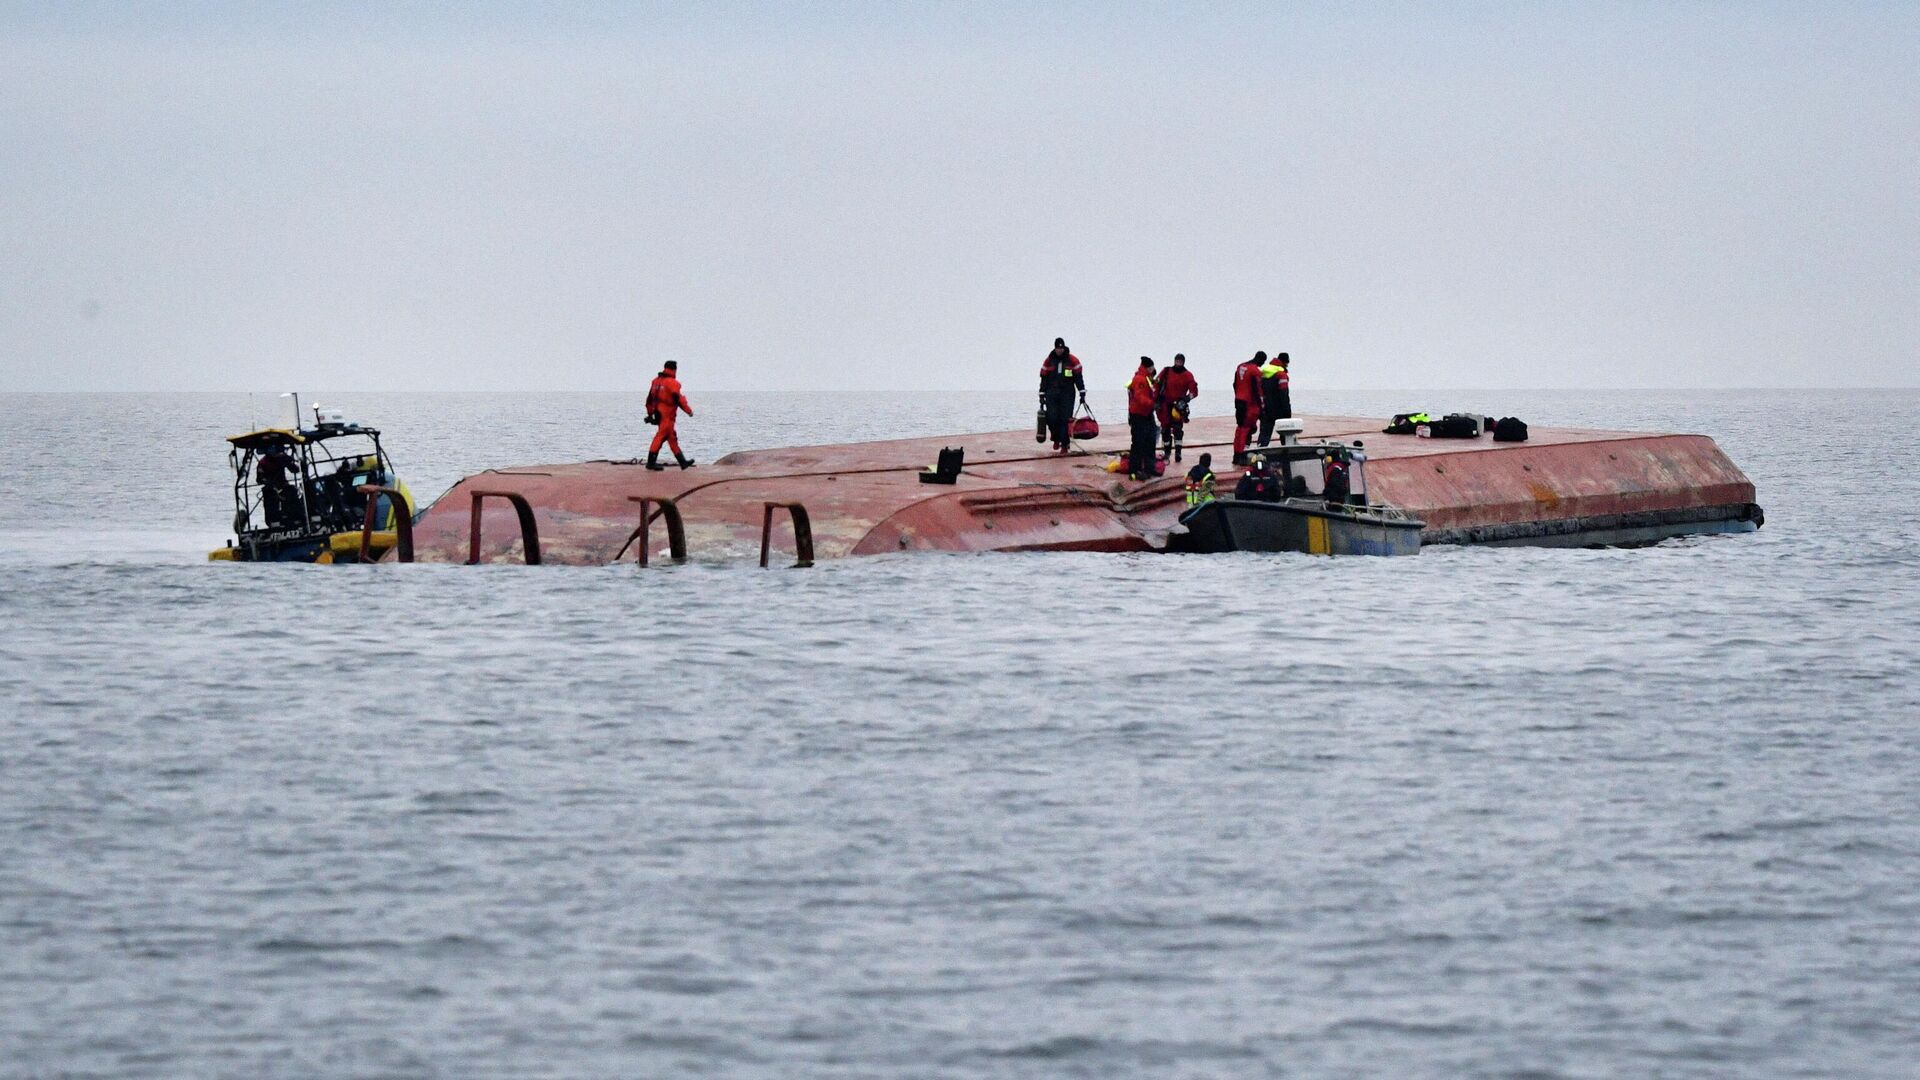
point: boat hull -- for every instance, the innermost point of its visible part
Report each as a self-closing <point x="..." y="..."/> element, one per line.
<point x="1608" y="530"/>
<point x="1233" y="525"/>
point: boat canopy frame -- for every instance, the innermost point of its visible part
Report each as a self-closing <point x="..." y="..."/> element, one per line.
<point x="320" y="495"/>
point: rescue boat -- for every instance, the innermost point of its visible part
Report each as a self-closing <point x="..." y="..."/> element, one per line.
<point x="324" y="493"/>
<point x="1324" y="509"/>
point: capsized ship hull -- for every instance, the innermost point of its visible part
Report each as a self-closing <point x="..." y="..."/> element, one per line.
<point x="867" y="498"/>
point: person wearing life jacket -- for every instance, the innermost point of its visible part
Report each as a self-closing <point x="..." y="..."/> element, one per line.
<point x="1200" y="482"/>
<point x="1275" y="402"/>
<point x="665" y="403"/>
<point x="1246" y="404"/>
<point x="1258" y="483"/>
<point x="1141" y="398"/>
<point x="1174" y="403"/>
<point x="1061" y="379"/>
<point x="1336" y="484"/>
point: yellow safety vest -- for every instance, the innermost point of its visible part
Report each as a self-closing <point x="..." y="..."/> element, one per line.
<point x="1200" y="491"/>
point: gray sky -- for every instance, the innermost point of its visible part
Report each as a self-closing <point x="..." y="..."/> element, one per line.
<point x="536" y="196"/>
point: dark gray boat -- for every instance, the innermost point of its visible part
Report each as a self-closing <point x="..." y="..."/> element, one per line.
<point x="1301" y="525"/>
<point x="1324" y="511"/>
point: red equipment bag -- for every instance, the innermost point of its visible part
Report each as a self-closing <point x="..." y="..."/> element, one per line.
<point x="1084" y="427"/>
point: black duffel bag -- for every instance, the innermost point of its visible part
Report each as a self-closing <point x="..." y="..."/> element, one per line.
<point x="1453" y="426"/>
<point x="1509" y="429"/>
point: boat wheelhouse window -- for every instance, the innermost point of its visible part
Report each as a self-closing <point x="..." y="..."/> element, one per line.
<point x="1309" y="471"/>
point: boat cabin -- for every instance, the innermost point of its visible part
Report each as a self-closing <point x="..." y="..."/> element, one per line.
<point x="1322" y="471"/>
<point x="293" y="488"/>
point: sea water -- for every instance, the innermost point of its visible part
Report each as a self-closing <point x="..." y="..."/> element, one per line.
<point x="1499" y="813"/>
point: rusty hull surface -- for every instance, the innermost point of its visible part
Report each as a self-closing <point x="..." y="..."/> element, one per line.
<point x="866" y="498"/>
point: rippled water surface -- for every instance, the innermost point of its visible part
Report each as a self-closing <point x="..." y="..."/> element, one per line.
<point x="1493" y="813"/>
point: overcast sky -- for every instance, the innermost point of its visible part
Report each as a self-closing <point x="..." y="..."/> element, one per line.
<point x="461" y="195"/>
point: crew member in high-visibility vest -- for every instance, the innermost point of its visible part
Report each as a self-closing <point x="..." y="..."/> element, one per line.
<point x="1275" y="401"/>
<point x="1200" y="482"/>
<point x="1246" y="404"/>
<point x="665" y="403"/>
<point x="1060" y="379"/>
<point x="1175" y="397"/>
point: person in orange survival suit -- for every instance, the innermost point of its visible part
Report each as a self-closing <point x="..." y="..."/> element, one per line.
<point x="1141" y="392"/>
<point x="1178" y="388"/>
<point x="1246" y="404"/>
<point x="664" y="404"/>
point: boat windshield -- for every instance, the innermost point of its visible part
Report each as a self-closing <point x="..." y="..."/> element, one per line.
<point x="1307" y="472"/>
<point x="1305" y="478"/>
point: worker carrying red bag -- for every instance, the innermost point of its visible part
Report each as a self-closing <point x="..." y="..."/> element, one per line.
<point x="1061" y="379"/>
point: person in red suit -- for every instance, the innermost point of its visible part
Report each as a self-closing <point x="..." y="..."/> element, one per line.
<point x="1177" y="390"/>
<point x="1142" y="390"/>
<point x="665" y="403"/>
<point x="1246" y="404"/>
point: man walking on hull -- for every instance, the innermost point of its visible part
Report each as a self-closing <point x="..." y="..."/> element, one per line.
<point x="1060" y="380"/>
<point x="1275" y="401"/>
<point x="1178" y="388"/>
<point x="665" y="403"/>
<point x="1246" y="404"/>
<point x="1141" y="392"/>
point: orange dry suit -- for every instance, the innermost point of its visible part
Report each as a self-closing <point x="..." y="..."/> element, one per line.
<point x="666" y="402"/>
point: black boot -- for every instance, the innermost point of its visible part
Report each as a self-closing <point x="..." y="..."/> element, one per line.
<point x="685" y="462"/>
<point x="653" y="462"/>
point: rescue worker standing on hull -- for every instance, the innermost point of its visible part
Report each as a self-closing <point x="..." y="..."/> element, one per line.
<point x="665" y="403"/>
<point x="1276" y="403"/>
<point x="1141" y="395"/>
<point x="1177" y="390"/>
<point x="1060" y="381"/>
<point x="1246" y="404"/>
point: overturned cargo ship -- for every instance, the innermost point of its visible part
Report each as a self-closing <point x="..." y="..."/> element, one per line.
<point x="1565" y="487"/>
